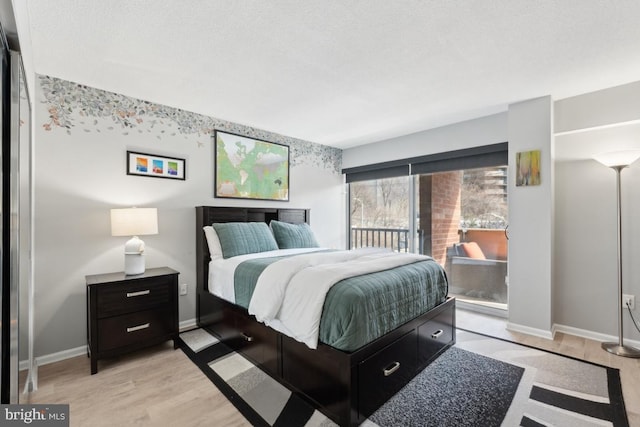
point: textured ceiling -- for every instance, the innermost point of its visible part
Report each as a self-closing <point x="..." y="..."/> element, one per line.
<point x="341" y="73"/>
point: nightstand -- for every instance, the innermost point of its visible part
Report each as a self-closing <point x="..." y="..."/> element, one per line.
<point x="127" y="313"/>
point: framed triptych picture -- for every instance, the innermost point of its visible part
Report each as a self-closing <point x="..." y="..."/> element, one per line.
<point x="155" y="166"/>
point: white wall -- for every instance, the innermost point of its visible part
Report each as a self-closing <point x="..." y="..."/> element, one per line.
<point x="473" y="133"/>
<point x="531" y="220"/>
<point x="81" y="174"/>
<point x="586" y="238"/>
<point x="606" y="107"/>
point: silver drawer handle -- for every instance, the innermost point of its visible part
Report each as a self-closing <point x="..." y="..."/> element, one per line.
<point x="246" y="337"/>
<point x="391" y="369"/>
<point x="437" y="334"/>
<point x="138" y="328"/>
<point x="137" y="294"/>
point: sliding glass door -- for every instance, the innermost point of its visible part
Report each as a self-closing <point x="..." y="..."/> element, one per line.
<point x="456" y="215"/>
<point x="462" y="218"/>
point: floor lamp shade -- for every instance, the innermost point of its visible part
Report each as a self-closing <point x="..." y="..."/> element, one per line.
<point x="134" y="222"/>
<point x="619" y="160"/>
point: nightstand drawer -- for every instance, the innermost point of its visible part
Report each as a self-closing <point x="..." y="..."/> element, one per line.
<point x="139" y="295"/>
<point x="134" y="328"/>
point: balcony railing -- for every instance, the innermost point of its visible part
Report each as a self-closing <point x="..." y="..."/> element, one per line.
<point x="396" y="239"/>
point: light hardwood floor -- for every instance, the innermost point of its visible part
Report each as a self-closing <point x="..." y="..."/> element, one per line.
<point x="161" y="387"/>
<point x="158" y="386"/>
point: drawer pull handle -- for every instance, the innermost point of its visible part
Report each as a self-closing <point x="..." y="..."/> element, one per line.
<point x="138" y="328"/>
<point x="138" y="294"/>
<point x="437" y="334"/>
<point x="246" y="337"/>
<point x="391" y="369"/>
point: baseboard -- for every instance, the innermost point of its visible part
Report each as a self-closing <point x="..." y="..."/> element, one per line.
<point x="185" y="325"/>
<point x="595" y="336"/>
<point x="482" y="309"/>
<point x="55" y="357"/>
<point x="514" y="327"/>
<point x="78" y="351"/>
<point x="570" y="330"/>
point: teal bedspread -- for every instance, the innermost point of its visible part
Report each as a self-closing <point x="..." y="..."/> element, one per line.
<point x="246" y="277"/>
<point x="361" y="309"/>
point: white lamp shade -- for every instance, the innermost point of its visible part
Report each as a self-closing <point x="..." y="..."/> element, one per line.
<point x="618" y="158"/>
<point x="134" y="221"/>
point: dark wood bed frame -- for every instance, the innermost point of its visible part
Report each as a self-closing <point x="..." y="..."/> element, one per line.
<point x="346" y="387"/>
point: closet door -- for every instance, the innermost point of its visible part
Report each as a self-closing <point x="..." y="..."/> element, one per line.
<point x="11" y="219"/>
<point x="10" y="84"/>
<point x="5" y="290"/>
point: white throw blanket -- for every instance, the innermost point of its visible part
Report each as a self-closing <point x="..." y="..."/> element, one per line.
<point x="292" y="291"/>
<point x="222" y="271"/>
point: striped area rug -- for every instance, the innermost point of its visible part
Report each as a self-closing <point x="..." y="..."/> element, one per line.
<point x="481" y="381"/>
<point x="555" y="390"/>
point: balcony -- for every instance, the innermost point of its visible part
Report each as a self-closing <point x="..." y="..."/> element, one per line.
<point x="478" y="277"/>
<point x="396" y="239"/>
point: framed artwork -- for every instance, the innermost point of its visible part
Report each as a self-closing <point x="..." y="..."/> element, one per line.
<point x="528" y="168"/>
<point x="248" y="168"/>
<point x="155" y="166"/>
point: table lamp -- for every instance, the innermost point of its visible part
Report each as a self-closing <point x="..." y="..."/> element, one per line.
<point x="134" y="222"/>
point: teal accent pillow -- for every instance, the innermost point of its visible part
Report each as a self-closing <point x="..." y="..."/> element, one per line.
<point x="240" y="238"/>
<point x="291" y="236"/>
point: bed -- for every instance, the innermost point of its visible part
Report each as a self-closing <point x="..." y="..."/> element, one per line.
<point x="347" y="380"/>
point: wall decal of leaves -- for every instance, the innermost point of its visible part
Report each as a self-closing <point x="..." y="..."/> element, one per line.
<point x="71" y="105"/>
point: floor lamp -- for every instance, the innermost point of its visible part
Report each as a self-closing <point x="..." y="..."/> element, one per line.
<point x="617" y="161"/>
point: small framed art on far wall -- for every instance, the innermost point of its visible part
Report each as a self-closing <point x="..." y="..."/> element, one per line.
<point x="144" y="164"/>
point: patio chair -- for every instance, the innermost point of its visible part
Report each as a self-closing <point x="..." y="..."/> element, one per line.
<point x="472" y="274"/>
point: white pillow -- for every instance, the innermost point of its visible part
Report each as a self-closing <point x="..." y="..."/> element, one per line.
<point x="213" y="241"/>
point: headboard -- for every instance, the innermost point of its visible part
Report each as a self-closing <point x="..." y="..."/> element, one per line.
<point x="207" y="215"/>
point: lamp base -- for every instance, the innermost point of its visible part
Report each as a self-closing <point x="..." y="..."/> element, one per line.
<point x="621" y="350"/>
<point x="133" y="264"/>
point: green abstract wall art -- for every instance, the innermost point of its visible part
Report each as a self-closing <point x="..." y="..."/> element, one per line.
<point x="248" y="168"/>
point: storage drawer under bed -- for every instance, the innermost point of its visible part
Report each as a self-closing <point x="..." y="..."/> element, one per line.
<point x="435" y="335"/>
<point x="258" y="343"/>
<point x="384" y="373"/>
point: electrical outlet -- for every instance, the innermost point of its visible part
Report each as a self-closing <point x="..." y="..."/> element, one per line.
<point x="629" y="299"/>
<point x="183" y="289"/>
